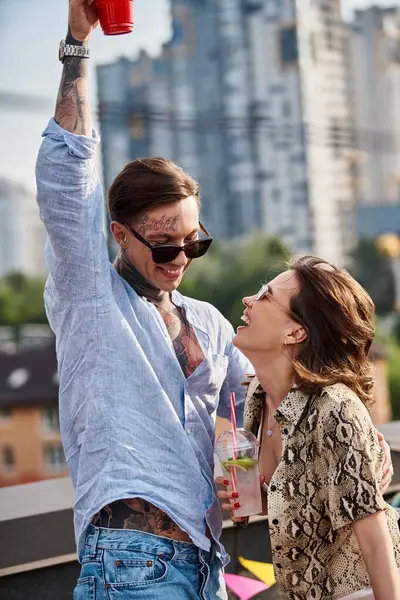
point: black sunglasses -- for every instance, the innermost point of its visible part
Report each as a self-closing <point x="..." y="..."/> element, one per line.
<point x="164" y="253"/>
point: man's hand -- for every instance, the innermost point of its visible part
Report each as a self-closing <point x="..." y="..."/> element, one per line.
<point x="387" y="467"/>
<point x="72" y="107"/>
<point x="82" y="18"/>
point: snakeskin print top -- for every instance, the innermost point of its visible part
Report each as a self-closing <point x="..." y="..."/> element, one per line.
<point x="328" y="477"/>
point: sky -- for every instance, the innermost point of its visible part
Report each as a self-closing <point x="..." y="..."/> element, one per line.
<point x="30" y="32"/>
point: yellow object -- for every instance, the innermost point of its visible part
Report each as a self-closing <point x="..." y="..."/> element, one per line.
<point x="264" y="571"/>
<point x="389" y="245"/>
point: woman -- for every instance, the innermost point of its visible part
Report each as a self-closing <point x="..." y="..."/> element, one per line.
<point x="308" y="334"/>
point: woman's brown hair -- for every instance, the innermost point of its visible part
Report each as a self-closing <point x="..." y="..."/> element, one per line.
<point x="338" y="315"/>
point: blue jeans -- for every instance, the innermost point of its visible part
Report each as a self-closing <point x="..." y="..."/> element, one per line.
<point x="123" y="564"/>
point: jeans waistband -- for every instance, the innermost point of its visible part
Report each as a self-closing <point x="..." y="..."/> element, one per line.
<point x="99" y="538"/>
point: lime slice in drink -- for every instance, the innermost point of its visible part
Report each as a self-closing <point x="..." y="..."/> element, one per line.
<point x="230" y="464"/>
<point x="240" y="463"/>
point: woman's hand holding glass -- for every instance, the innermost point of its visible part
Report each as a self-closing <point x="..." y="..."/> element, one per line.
<point x="231" y="500"/>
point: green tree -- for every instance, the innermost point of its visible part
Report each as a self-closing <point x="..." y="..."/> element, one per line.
<point x="396" y="328"/>
<point x="223" y="277"/>
<point x="21" y="300"/>
<point x="374" y="272"/>
<point x="394" y="378"/>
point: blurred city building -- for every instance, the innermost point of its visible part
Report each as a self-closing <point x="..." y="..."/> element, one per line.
<point x="373" y="220"/>
<point x="190" y="104"/>
<point x="299" y="92"/>
<point x="251" y="98"/>
<point x="375" y="96"/>
<point x="30" y="441"/>
<point x="22" y="235"/>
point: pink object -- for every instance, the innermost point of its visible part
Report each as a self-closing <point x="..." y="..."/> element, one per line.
<point x="244" y="587"/>
<point x="115" y="16"/>
<point x="233" y="421"/>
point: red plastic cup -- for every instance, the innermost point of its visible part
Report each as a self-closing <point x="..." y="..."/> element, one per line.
<point x="115" y="16"/>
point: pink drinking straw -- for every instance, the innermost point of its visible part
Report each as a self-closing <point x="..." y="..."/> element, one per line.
<point x="233" y="422"/>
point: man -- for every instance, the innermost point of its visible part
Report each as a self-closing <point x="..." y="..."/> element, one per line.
<point x="143" y="370"/>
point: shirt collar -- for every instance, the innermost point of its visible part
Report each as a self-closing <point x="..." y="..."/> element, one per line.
<point x="191" y="314"/>
<point x="292" y="406"/>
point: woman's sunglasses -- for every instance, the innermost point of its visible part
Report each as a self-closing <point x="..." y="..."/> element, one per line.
<point x="267" y="293"/>
<point x="264" y="292"/>
<point x="164" y="253"/>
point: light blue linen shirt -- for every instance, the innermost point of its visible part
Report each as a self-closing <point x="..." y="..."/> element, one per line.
<point x="131" y="424"/>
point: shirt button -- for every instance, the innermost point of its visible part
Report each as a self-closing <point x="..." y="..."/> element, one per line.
<point x="275" y="521"/>
<point x="188" y="430"/>
<point x="273" y="488"/>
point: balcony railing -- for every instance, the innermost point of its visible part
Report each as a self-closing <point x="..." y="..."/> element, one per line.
<point x="37" y="546"/>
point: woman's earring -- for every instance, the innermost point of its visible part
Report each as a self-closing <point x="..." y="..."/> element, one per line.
<point x="125" y="241"/>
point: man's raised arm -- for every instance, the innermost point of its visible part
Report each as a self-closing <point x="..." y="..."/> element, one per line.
<point x="69" y="193"/>
<point x="72" y="108"/>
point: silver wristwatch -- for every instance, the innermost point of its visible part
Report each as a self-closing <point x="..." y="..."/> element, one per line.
<point x="72" y="50"/>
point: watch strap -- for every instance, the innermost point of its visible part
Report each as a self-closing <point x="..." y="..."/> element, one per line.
<point x="73" y="50"/>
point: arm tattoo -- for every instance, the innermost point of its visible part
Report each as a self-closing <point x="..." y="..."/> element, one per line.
<point x="72" y="108"/>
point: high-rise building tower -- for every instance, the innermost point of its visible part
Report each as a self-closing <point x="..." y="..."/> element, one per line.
<point x="251" y="97"/>
<point x="300" y="107"/>
<point x="375" y="95"/>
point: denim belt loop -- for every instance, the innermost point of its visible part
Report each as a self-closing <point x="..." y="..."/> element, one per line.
<point x="94" y="538"/>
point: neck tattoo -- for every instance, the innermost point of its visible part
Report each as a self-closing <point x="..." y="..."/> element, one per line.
<point x="142" y="287"/>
